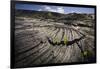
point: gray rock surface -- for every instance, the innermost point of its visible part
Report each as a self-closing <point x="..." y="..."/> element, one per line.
<point x="65" y="39"/>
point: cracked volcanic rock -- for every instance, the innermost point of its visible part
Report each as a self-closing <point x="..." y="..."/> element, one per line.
<point x="48" y="37"/>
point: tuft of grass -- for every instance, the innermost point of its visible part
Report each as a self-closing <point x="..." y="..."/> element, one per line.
<point x="65" y="40"/>
<point x="86" y="53"/>
<point x="49" y="14"/>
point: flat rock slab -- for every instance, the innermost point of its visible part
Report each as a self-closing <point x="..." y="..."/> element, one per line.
<point x="40" y="45"/>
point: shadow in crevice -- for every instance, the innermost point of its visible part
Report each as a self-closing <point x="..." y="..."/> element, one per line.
<point x="62" y="42"/>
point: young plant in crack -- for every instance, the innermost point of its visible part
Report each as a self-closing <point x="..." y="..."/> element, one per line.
<point x="65" y="40"/>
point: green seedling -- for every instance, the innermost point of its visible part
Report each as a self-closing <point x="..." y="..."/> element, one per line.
<point x="65" y="40"/>
<point x="49" y="14"/>
<point x="84" y="54"/>
<point x="87" y="53"/>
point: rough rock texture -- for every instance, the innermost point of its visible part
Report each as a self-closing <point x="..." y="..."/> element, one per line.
<point x="48" y="37"/>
